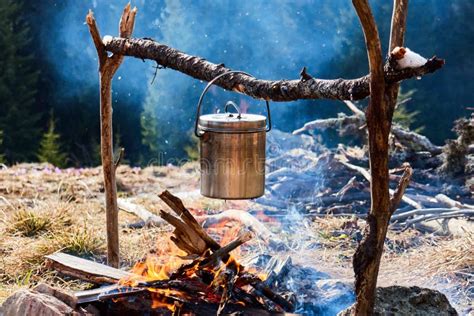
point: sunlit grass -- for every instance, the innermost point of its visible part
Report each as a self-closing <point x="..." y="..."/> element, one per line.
<point x="80" y="242"/>
<point x="29" y="223"/>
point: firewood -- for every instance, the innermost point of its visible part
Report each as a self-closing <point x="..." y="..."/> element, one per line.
<point x="83" y="269"/>
<point x="224" y="251"/>
<point x="177" y="206"/>
<point x="186" y="237"/>
<point x="246" y="219"/>
<point x="228" y="281"/>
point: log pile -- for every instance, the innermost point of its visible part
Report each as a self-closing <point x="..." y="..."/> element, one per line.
<point x="318" y="181"/>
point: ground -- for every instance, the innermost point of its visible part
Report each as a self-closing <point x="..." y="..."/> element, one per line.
<point x="44" y="209"/>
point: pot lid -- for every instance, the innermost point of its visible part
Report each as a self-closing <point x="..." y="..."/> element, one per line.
<point x="232" y="123"/>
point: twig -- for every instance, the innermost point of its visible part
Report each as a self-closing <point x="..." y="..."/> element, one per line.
<point x="428" y="211"/>
<point x="397" y="196"/>
<point x="368" y="177"/>
<point x="119" y="158"/>
<point x="354" y="108"/>
<point x="431" y="217"/>
<point x="224" y="251"/>
<point x="446" y="200"/>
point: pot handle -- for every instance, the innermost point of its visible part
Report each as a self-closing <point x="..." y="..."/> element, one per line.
<point x="198" y="112"/>
<point x="230" y="103"/>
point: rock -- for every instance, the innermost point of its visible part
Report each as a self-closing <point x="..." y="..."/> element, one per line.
<point x="62" y="295"/>
<point x="400" y="300"/>
<point x="41" y="301"/>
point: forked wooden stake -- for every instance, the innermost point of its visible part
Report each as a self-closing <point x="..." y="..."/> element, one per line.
<point x="108" y="65"/>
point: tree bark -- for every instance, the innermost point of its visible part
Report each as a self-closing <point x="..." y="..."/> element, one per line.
<point x="383" y="95"/>
<point x="279" y="90"/>
<point x="107" y="68"/>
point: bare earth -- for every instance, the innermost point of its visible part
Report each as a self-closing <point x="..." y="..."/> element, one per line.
<point x="43" y="210"/>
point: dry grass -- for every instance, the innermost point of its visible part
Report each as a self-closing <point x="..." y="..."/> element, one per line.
<point x="43" y="212"/>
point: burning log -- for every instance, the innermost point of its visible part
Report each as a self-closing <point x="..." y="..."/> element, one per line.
<point x="223" y="252"/>
<point x="189" y="223"/>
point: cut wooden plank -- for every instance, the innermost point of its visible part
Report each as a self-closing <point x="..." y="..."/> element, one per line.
<point x="84" y="269"/>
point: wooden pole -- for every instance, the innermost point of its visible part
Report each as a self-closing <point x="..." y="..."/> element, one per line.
<point x="379" y="114"/>
<point x="108" y="65"/>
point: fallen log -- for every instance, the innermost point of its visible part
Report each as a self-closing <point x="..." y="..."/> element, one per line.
<point x="246" y="219"/>
<point x="431" y="212"/>
<point x="367" y="176"/>
<point x="407" y="138"/>
<point x="444" y="215"/>
<point x="149" y="218"/>
<point x="446" y="200"/>
<point x="410" y="139"/>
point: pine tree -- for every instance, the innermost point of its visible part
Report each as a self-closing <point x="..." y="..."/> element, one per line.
<point x="50" y="148"/>
<point x="150" y="135"/>
<point x="403" y="116"/>
<point x="2" y="156"/>
<point x="18" y="81"/>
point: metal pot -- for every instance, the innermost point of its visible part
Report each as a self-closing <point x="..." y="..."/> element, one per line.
<point x="232" y="151"/>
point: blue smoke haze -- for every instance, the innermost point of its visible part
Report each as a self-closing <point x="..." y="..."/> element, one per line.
<point x="269" y="39"/>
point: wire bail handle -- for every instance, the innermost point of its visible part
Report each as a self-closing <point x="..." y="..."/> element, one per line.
<point x="229" y="103"/>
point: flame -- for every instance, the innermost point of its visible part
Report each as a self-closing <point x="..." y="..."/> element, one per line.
<point x="159" y="298"/>
<point x="156" y="267"/>
<point x="159" y="265"/>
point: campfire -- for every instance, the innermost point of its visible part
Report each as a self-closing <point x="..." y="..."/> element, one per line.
<point x="202" y="277"/>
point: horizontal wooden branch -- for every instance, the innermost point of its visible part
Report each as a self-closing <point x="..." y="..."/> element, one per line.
<point x="280" y="90"/>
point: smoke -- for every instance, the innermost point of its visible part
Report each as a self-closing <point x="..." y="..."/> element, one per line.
<point x="269" y="39"/>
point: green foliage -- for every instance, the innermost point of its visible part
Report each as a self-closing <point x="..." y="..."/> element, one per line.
<point x="18" y="86"/>
<point x="402" y="115"/>
<point x="50" y="148"/>
<point x="192" y="150"/>
<point x="2" y="156"/>
<point x="149" y="131"/>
